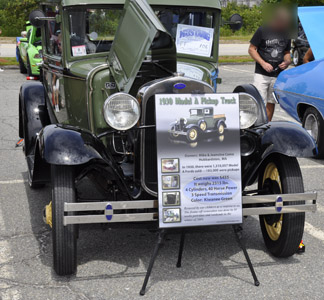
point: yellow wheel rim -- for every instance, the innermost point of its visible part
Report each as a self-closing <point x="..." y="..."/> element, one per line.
<point x="221" y="129"/>
<point x="203" y="126"/>
<point x="193" y="134"/>
<point x="273" y="230"/>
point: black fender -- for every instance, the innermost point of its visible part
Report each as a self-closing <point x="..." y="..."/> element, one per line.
<point x="219" y="122"/>
<point x="59" y="145"/>
<point x="283" y="138"/>
<point x="32" y="113"/>
<point x="289" y="139"/>
<point x="191" y="126"/>
<point x="67" y="145"/>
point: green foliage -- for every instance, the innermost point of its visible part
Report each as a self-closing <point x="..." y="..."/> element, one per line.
<point x="104" y="22"/>
<point x="14" y="14"/>
<point x="252" y="19"/>
<point x="252" y="16"/>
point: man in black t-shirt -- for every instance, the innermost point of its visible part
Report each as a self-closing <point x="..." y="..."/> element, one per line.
<point x="270" y="48"/>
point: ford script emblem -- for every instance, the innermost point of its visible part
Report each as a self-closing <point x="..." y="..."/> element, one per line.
<point x="179" y="86"/>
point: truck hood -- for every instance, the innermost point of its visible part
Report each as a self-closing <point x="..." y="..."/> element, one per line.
<point x="138" y="28"/>
<point x="311" y="19"/>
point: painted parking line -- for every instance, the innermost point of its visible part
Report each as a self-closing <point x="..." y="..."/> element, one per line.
<point x="313" y="231"/>
<point x="312" y="167"/>
<point x="7" y="269"/>
<point x="235" y="70"/>
<point x="12" y="181"/>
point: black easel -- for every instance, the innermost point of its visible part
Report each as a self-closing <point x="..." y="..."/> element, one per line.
<point x="238" y="234"/>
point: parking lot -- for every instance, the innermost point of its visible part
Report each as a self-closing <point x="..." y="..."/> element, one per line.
<point x="112" y="262"/>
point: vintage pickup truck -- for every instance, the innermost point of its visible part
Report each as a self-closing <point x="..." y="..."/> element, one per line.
<point x="201" y="121"/>
<point x="92" y="119"/>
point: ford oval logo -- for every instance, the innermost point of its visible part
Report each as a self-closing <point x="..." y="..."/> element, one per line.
<point x="179" y="86"/>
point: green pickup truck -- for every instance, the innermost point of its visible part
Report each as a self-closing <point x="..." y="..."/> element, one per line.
<point x="30" y="51"/>
<point x="202" y="120"/>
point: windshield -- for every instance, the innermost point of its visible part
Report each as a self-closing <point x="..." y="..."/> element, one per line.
<point x="92" y="30"/>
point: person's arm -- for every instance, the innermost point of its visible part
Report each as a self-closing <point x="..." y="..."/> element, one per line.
<point x="309" y="56"/>
<point x="286" y="62"/>
<point x="253" y="51"/>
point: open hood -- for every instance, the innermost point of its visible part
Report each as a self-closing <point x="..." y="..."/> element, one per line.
<point x="137" y="29"/>
<point x="312" y="20"/>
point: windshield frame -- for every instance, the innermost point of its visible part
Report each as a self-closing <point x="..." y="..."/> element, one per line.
<point x="68" y="52"/>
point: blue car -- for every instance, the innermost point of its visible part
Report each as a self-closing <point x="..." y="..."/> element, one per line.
<point x="300" y="91"/>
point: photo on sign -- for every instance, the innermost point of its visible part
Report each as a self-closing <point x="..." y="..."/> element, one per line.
<point x="201" y="123"/>
<point x="171" y="215"/>
<point x="171" y="198"/>
<point x="170" y="182"/>
<point x="170" y="165"/>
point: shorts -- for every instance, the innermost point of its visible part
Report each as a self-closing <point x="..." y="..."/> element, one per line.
<point x="265" y="84"/>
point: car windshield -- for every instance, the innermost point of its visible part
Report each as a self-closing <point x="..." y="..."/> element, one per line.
<point x="195" y="112"/>
<point x="92" y="30"/>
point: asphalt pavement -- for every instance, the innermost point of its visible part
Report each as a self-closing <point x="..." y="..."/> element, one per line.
<point x="112" y="263"/>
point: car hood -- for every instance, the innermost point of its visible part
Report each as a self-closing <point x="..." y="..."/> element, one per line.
<point x="311" y="19"/>
<point x="135" y="34"/>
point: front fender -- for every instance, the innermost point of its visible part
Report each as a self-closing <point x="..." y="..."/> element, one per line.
<point x="63" y="146"/>
<point x="31" y="113"/>
<point x="187" y="127"/>
<point x="287" y="138"/>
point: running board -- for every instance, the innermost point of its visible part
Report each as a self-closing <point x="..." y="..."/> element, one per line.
<point x="252" y="205"/>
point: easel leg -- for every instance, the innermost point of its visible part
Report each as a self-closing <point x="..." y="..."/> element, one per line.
<point x="182" y="239"/>
<point x="153" y="257"/>
<point x="238" y="234"/>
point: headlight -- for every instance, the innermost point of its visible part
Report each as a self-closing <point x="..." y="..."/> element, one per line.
<point x="248" y="111"/>
<point x="121" y="111"/>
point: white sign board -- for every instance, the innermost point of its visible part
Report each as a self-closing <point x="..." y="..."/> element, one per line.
<point x="199" y="160"/>
<point x="194" y="40"/>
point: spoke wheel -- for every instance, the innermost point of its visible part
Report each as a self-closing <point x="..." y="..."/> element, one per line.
<point x="64" y="237"/>
<point x="221" y="129"/>
<point x="282" y="233"/>
<point x="203" y="125"/>
<point x="192" y="135"/>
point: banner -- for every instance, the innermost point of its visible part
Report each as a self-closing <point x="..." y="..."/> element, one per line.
<point x="199" y="160"/>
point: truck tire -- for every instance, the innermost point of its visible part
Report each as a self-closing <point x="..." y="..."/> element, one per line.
<point x="203" y="125"/>
<point x="313" y="122"/>
<point x="221" y="128"/>
<point x="64" y="237"/>
<point x="22" y="67"/>
<point x="283" y="233"/>
<point x="192" y="135"/>
<point x="29" y="71"/>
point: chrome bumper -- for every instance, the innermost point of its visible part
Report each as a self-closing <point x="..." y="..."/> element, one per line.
<point x="177" y="132"/>
<point x="253" y="205"/>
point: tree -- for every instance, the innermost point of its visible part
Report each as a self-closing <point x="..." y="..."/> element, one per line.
<point x="14" y="14"/>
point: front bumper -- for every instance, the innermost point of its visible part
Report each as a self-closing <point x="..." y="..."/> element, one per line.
<point x="252" y="205"/>
<point x="177" y="132"/>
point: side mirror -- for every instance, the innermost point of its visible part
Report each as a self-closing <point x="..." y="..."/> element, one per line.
<point x="235" y="22"/>
<point x="37" y="18"/>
